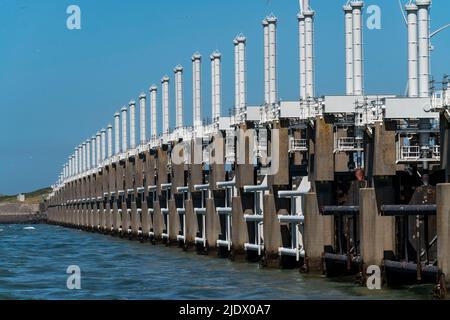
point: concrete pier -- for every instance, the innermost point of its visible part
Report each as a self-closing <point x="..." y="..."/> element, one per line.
<point x="318" y="232"/>
<point x="301" y="184"/>
<point x="377" y="233"/>
<point x="443" y="227"/>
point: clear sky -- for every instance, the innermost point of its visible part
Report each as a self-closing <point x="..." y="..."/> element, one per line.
<point x="60" y="86"/>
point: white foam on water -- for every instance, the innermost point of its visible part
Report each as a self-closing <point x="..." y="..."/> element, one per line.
<point x="29" y="228"/>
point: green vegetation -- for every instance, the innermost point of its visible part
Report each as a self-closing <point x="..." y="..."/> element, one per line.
<point x="30" y="197"/>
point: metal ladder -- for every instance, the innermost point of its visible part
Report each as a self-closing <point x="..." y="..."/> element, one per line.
<point x="295" y="220"/>
<point x="203" y="188"/>
<point x="112" y="200"/>
<point x="228" y="187"/>
<point x="151" y="211"/>
<point x="165" y="187"/>
<point x="182" y="213"/>
<point x="257" y="218"/>
<point x="140" y="191"/>
<point x="119" y="210"/>
<point x="129" y="213"/>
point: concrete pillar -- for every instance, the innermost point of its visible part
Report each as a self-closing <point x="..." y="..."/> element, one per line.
<point x="125" y="223"/>
<point x="443" y="228"/>
<point x="217" y="163"/>
<point x="158" y="222"/>
<point x="384" y="155"/>
<point x="377" y="233"/>
<point x="239" y="233"/>
<point x="244" y="167"/>
<point x="279" y="155"/>
<point x="174" y="221"/>
<point x="272" y="229"/>
<point x="341" y="158"/>
<point x="135" y="221"/>
<point x="191" y="223"/>
<point x="195" y="166"/>
<point x="101" y="217"/>
<point x="146" y="219"/>
<point x="318" y="232"/>
<point x="212" y="221"/>
<point x="323" y="160"/>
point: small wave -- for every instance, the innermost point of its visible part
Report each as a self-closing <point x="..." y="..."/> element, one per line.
<point x="29" y="228"/>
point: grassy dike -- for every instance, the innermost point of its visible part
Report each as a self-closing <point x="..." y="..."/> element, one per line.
<point x="29" y="211"/>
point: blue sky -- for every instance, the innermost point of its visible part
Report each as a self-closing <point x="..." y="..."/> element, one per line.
<point x="58" y="86"/>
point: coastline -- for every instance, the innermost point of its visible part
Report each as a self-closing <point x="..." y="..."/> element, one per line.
<point x="12" y="213"/>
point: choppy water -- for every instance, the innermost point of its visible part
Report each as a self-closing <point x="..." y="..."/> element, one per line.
<point x="33" y="265"/>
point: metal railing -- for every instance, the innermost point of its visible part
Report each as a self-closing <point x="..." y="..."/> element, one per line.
<point x="298" y="145"/>
<point x="257" y="243"/>
<point x="416" y="153"/>
<point x="440" y="100"/>
<point x="347" y="144"/>
<point x="226" y="211"/>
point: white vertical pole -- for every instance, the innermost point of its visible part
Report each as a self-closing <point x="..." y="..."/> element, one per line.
<point x="124" y="130"/>
<point x="165" y="104"/>
<point x="413" y="84"/>
<point x="236" y="77"/>
<point x="83" y="157"/>
<point x="273" y="59"/>
<point x="196" y="61"/>
<point x="309" y="52"/>
<point x="132" y="108"/>
<point x="216" y="85"/>
<point x="213" y="86"/>
<point x="179" y="95"/>
<point x="103" y="143"/>
<point x="94" y="153"/>
<point x="424" y="47"/>
<point x="266" y="62"/>
<point x="99" y="148"/>
<point x="153" y="96"/>
<point x="88" y="154"/>
<point x="242" y="73"/>
<point x="110" y="144"/>
<point x="302" y="54"/>
<point x="117" y="133"/>
<point x="142" y="117"/>
<point x="348" y="49"/>
<point x="76" y="161"/>
<point x="358" y="86"/>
